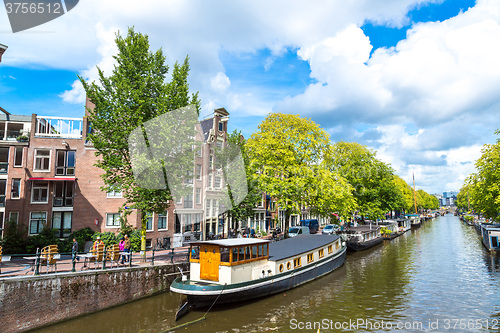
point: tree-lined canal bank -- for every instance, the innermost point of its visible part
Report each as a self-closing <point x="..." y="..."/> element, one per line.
<point x="439" y="273"/>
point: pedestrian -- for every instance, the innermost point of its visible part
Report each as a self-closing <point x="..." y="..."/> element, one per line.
<point x="74" y="250"/>
<point x="252" y="233"/>
<point x="122" y="244"/>
<point x="126" y="248"/>
<point x="97" y="242"/>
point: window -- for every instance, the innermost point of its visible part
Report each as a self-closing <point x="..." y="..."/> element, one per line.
<point x="149" y="223"/>
<point x="4" y="160"/>
<point x="310" y="257"/>
<point x="61" y="223"/>
<point x="40" y="192"/>
<point x="38" y="220"/>
<point x="207" y="208"/>
<point x="63" y="194"/>
<point x="321" y="253"/>
<point x="188" y="224"/>
<point x="198" y="195"/>
<point x="15" y="192"/>
<point x="198" y="171"/>
<point x="214" y="207"/>
<point x="113" y="220"/>
<point x="221" y="126"/>
<point x="188" y="201"/>
<point x="42" y="160"/>
<point x="14" y="217"/>
<point x="209" y="185"/>
<point x="219" y="144"/>
<point x="217" y="182"/>
<point x="3" y="186"/>
<point x="18" y="157"/>
<point x="211" y="162"/>
<point x="188" y="179"/>
<point x="115" y="192"/>
<point x="296" y="262"/>
<point x="162" y="221"/>
<point x="65" y="163"/>
<point x="282" y="268"/>
<point x="330" y="249"/>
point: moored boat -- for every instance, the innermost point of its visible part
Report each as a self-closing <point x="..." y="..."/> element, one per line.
<point x="415" y="220"/>
<point x="239" y="269"/>
<point x="362" y="237"/>
<point x="490" y="234"/>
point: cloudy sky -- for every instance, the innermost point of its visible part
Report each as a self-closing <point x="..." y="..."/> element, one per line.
<point x="416" y="80"/>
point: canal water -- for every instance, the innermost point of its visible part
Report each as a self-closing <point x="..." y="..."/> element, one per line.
<point x="438" y="278"/>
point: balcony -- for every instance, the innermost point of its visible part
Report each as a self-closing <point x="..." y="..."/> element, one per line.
<point x="59" y="127"/>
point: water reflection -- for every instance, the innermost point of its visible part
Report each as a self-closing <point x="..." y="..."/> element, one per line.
<point x="436" y="273"/>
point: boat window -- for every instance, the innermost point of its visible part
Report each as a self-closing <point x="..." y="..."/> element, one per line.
<point x="494" y="241"/>
<point x="247" y="253"/>
<point x="282" y="267"/>
<point x="195" y="252"/>
<point x="310" y="257"/>
<point x="265" y="250"/>
<point x="296" y="262"/>
<point x="254" y="252"/>
<point x="260" y="251"/>
<point x="288" y="265"/>
<point x="235" y="254"/>
<point x="242" y="254"/>
<point x="337" y="245"/>
<point x="321" y="253"/>
<point x="224" y="254"/>
<point x="330" y="249"/>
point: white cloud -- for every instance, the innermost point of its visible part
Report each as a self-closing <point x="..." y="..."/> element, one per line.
<point x="220" y="83"/>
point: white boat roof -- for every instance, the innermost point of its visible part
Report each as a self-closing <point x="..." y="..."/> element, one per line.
<point x="234" y="242"/>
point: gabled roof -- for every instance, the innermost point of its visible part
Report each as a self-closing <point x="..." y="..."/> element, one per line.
<point x="206" y="126"/>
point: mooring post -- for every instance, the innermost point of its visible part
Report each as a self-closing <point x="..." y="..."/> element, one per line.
<point x="153" y="258"/>
<point x="104" y="259"/>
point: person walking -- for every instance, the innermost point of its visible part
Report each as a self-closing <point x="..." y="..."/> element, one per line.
<point x="127" y="244"/>
<point x="74" y="250"/>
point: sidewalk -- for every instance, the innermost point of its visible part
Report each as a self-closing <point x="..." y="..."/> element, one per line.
<point x="18" y="266"/>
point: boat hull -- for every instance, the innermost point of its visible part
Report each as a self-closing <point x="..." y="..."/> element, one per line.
<point x="207" y="295"/>
<point x="360" y="246"/>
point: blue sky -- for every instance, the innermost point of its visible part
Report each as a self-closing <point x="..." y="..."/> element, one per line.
<point x="426" y="105"/>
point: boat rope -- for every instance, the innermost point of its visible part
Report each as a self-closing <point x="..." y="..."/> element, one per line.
<point x="197" y="320"/>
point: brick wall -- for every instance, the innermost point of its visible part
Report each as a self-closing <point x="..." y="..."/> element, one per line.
<point x="30" y="302"/>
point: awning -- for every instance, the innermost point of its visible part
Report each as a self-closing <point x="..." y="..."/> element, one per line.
<point x="61" y="179"/>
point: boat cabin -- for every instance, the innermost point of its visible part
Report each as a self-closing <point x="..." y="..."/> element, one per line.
<point x="491" y="236"/>
<point x="363" y="233"/>
<point x="239" y="260"/>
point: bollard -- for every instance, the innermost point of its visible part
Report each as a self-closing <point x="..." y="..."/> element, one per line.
<point x="104" y="259"/>
<point x="73" y="270"/>
<point x="130" y="260"/>
<point x="172" y="256"/>
<point x="37" y="265"/>
<point x="153" y="258"/>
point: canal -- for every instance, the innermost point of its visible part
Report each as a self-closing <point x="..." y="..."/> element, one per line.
<point x="437" y="278"/>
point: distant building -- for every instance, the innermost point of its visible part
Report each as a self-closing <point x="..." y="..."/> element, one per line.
<point x="2" y="50"/>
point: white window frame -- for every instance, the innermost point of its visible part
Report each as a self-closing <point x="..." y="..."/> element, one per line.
<point x="17" y="218"/>
<point x="31" y="219"/>
<point x="35" y="158"/>
<point x="113" y="226"/>
<point x="19" y="193"/>
<point x="198" y="171"/>
<point x="166" y="221"/>
<point x="114" y="194"/>
<point x="152" y="217"/>
<point x="39" y="187"/>
<point x="218" y="179"/>
<point x="15" y="155"/>
<point x="198" y="195"/>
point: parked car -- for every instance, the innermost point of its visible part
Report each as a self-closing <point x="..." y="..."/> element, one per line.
<point x="295" y="231"/>
<point x="313" y="225"/>
<point x="330" y="229"/>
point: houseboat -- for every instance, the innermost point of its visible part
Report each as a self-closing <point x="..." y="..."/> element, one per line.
<point x="362" y="237"/>
<point x="404" y="224"/>
<point x="389" y="229"/>
<point x="415" y="220"/>
<point x="239" y="269"/>
<point x="491" y="236"/>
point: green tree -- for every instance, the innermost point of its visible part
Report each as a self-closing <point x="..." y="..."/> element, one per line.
<point x="463" y="198"/>
<point x="287" y="159"/>
<point x="484" y="184"/>
<point x="407" y="203"/>
<point x="136" y="91"/>
<point x="375" y="189"/>
<point x="235" y="145"/>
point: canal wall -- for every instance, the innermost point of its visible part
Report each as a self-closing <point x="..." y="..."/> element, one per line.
<point x="29" y="302"/>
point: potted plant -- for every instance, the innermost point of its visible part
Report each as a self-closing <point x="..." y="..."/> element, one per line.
<point x="22" y="138"/>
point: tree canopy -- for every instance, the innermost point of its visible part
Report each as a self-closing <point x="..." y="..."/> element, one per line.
<point x="135" y="92"/>
<point x="288" y="161"/>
